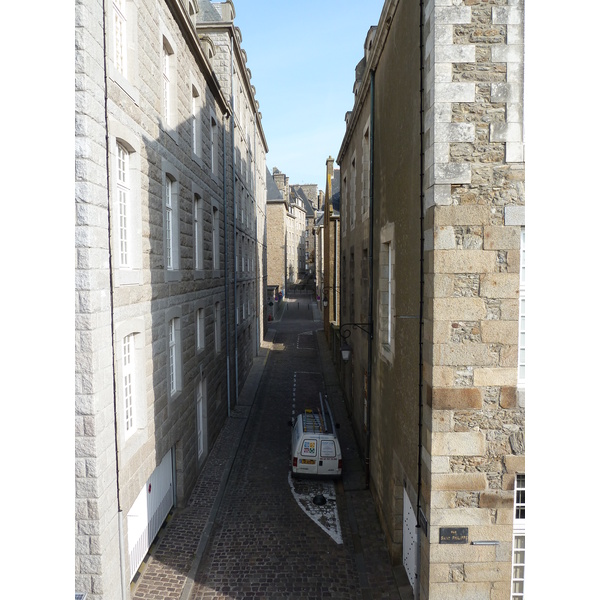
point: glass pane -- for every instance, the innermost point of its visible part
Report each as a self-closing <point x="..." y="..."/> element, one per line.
<point x="519" y="541"/>
<point x="519" y="557"/>
<point x="517" y="587"/>
<point x="519" y="572"/>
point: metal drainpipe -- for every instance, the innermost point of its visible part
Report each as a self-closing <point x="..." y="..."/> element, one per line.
<point x="124" y="582"/>
<point x="421" y="291"/>
<point x="235" y="299"/>
<point x="371" y="229"/>
<point x="226" y="271"/>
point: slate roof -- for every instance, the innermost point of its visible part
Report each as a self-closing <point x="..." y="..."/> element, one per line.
<point x="207" y="12"/>
<point x="297" y="189"/>
<point x="273" y="193"/>
<point x="335" y="190"/>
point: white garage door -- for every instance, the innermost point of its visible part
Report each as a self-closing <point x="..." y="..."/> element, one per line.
<point x="149" y="511"/>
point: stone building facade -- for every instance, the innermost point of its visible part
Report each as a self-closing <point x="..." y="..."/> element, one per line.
<point x="435" y="384"/>
<point x="330" y="249"/>
<point x="286" y="233"/>
<point x="159" y="354"/>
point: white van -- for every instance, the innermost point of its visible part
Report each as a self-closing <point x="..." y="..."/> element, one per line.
<point x="315" y="447"/>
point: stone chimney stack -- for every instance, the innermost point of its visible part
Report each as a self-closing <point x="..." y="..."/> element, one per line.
<point x="329" y="163"/>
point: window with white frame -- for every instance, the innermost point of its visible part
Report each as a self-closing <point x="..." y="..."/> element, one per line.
<point x="518" y="553"/>
<point x="352" y="192"/>
<point x="385" y="296"/>
<point x="386" y="292"/>
<point x="198" y="234"/>
<point x="196" y="122"/>
<point x="168" y="66"/>
<point x="123" y="204"/>
<point x="201" y="419"/>
<point x="200" y="328"/>
<point x="214" y="137"/>
<point x="130" y="379"/>
<point x="217" y="325"/>
<point x="215" y="237"/>
<point x="366" y="171"/>
<point x="128" y="375"/>
<point x="169" y="218"/>
<point x="521" y="358"/>
<point x="174" y="346"/>
<point x="120" y="36"/>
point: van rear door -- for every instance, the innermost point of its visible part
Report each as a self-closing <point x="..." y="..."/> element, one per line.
<point x="329" y="457"/>
<point x="308" y="459"/>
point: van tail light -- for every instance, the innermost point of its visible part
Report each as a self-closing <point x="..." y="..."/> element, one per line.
<point x="340" y="464"/>
<point x="295" y="462"/>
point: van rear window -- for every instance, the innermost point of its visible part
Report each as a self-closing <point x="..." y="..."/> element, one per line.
<point x="327" y="448"/>
<point x="309" y="448"/>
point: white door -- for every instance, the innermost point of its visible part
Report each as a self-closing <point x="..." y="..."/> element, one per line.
<point x="149" y="511"/>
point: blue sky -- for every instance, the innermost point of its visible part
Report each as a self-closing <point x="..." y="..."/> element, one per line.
<point x="302" y="55"/>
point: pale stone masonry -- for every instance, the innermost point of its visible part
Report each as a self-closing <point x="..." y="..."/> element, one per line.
<point x="447" y="373"/>
<point x="170" y="275"/>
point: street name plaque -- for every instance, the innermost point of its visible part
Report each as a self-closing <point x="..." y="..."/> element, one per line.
<point x="454" y="535"/>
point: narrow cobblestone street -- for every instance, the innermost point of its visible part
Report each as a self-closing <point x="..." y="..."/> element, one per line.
<point x="246" y="535"/>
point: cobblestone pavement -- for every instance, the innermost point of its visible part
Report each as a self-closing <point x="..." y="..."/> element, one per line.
<point x="243" y="535"/>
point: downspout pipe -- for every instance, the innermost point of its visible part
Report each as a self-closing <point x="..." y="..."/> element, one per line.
<point x="371" y="229"/>
<point x="235" y="298"/>
<point x="226" y="269"/>
<point x="122" y="551"/>
<point x="422" y="285"/>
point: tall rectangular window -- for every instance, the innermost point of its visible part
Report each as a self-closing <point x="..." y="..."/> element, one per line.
<point x="128" y="382"/>
<point x="366" y="171"/>
<point x="120" y="50"/>
<point x="200" y="324"/>
<point x="213" y="144"/>
<point x="198" y="237"/>
<point x="215" y="237"/>
<point x="123" y="200"/>
<point x="201" y="416"/>
<point x="518" y="555"/>
<point x="217" y="326"/>
<point x="169" y="222"/>
<point x="167" y="67"/>
<point x="196" y="123"/>
<point x="174" y="383"/>
<point x="352" y="192"/>
<point x="386" y="300"/>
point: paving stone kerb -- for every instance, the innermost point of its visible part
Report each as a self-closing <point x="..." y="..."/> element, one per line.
<point x="173" y="564"/>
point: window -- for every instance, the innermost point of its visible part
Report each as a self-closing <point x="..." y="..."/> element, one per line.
<point x="196" y="122"/>
<point x="130" y="381"/>
<point x="128" y="366"/>
<point x="198" y="234"/>
<point x="123" y="204"/>
<point x="215" y="237"/>
<point x="174" y="348"/>
<point x="168" y="65"/>
<point x="213" y="144"/>
<point x="366" y="171"/>
<point x="217" y="326"/>
<point x="352" y="192"/>
<point x="169" y="223"/>
<point x="200" y="324"/>
<point x="120" y="46"/>
<point x="518" y="556"/>
<point x="521" y="359"/>
<point x="386" y="284"/>
<point x="386" y="292"/>
<point x="201" y="417"/>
